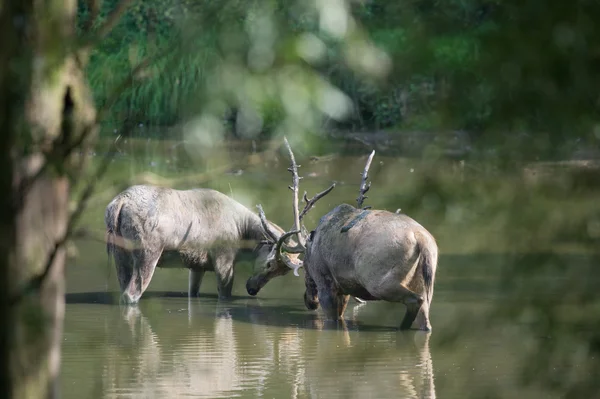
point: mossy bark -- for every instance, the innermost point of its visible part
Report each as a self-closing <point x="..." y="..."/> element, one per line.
<point x="45" y="108"/>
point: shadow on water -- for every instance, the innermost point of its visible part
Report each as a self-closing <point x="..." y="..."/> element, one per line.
<point x="242" y="309"/>
<point x="282" y="316"/>
<point x="112" y="298"/>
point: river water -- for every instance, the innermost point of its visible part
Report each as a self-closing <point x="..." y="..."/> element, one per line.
<point x="271" y="346"/>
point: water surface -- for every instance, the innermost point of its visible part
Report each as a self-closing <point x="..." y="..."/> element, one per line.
<point x="272" y="347"/>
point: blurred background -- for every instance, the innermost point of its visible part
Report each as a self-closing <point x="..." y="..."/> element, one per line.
<point x="484" y="116"/>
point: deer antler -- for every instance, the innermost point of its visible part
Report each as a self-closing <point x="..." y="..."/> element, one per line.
<point x="265" y="224"/>
<point x="301" y="246"/>
<point x="298" y="216"/>
<point x="296" y="230"/>
<point x="311" y="202"/>
<point x="294" y="187"/>
<point x="364" y="187"/>
<point x="282" y="258"/>
<point x="278" y="255"/>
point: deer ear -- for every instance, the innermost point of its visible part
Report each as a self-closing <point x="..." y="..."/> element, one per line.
<point x="259" y="245"/>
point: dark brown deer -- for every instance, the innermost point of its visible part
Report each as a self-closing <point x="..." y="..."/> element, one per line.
<point x="369" y="254"/>
<point x="205" y="227"/>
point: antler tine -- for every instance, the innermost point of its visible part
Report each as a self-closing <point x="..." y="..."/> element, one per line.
<point x="265" y="223"/>
<point x="295" y="183"/>
<point x="364" y="187"/>
<point x="311" y="202"/>
<point x="301" y="247"/>
<point x="297" y="229"/>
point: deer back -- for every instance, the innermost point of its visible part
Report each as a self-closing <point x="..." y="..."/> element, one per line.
<point x="179" y="218"/>
<point x="356" y="244"/>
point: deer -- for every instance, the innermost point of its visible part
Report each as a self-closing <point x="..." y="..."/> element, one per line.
<point x="366" y="253"/>
<point x="207" y="229"/>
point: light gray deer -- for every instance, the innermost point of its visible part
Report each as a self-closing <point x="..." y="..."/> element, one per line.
<point x="205" y="227"/>
<point x="369" y="254"/>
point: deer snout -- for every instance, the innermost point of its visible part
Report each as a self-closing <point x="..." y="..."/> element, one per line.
<point x="252" y="286"/>
<point x="251" y="290"/>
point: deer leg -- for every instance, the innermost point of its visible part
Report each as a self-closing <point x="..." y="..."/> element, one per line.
<point x="225" y="286"/>
<point x="392" y="291"/>
<point x="311" y="299"/>
<point x="197" y="266"/>
<point x="409" y="317"/>
<point x="224" y="272"/>
<point x="342" y="302"/>
<point x="413" y="303"/>
<point x="144" y="264"/>
<point x="328" y="302"/>
<point x="311" y="302"/>
<point x="195" y="279"/>
<point x="147" y="265"/>
<point x="124" y="266"/>
<point x="422" y="317"/>
<point x="328" y="297"/>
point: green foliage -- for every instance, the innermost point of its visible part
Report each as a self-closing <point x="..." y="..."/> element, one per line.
<point x="479" y="65"/>
<point x="543" y="64"/>
<point x="160" y="94"/>
<point x="454" y="53"/>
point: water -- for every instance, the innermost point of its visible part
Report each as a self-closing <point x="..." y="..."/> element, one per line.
<point x="271" y="346"/>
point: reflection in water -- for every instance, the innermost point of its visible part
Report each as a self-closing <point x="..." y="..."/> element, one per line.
<point x="201" y="363"/>
<point x="399" y="364"/>
<point x="206" y="349"/>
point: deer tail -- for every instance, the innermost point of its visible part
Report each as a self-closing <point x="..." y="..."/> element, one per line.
<point x="428" y="263"/>
<point x="112" y="217"/>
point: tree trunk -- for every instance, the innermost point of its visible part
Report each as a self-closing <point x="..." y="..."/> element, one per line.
<point x="9" y="98"/>
<point x="45" y="110"/>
